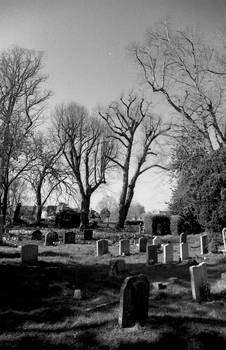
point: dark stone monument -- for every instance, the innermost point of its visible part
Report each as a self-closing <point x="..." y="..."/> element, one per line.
<point x="134" y="301"/>
<point x="36" y="235"/>
<point x="142" y="244"/>
<point x="69" y="238"/>
<point x="51" y="237"/>
<point x="152" y="254"/>
<point x="88" y="234"/>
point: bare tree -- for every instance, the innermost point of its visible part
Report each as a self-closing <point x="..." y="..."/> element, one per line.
<point x="22" y="101"/>
<point x="86" y="149"/>
<point x="136" y="131"/>
<point x="47" y="174"/>
<point x="190" y="74"/>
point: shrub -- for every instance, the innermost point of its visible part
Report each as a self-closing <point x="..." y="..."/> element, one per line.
<point x="176" y="225"/>
<point x="160" y="225"/>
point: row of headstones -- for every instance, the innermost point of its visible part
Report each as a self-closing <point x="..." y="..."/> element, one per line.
<point x="152" y="250"/>
<point x="134" y="296"/>
<point x="68" y="237"/>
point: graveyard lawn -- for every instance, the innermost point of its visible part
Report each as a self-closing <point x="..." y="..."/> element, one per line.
<point x="38" y="309"/>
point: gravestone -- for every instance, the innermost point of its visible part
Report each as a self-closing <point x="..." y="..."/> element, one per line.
<point x="50" y="238"/>
<point x="167" y="253"/>
<point x="142" y="243"/>
<point x="124" y="247"/>
<point x="102" y="247"/>
<point x="29" y="253"/>
<point x="69" y="237"/>
<point x="183" y="237"/>
<point x="152" y="254"/>
<point x="117" y="267"/>
<point x="88" y="234"/>
<point x="156" y="241"/>
<point x="184" y="251"/>
<point x="224" y="238"/>
<point x="204" y="244"/>
<point x="36" y="235"/>
<point x="133" y="301"/>
<point x="199" y="282"/>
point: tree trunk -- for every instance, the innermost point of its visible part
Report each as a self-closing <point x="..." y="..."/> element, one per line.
<point x="124" y="206"/>
<point x="39" y="207"/>
<point x="5" y="204"/>
<point x="84" y="216"/>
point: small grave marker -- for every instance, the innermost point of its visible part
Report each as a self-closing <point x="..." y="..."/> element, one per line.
<point x="152" y="254"/>
<point x="50" y="238"/>
<point x="204" y="244"/>
<point x="69" y="237"/>
<point x="184" y="255"/>
<point x="36" y="235"/>
<point x="124" y="247"/>
<point x="134" y="301"/>
<point x="167" y="253"/>
<point x="29" y="253"/>
<point x="102" y="247"/>
<point x="142" y="244"/>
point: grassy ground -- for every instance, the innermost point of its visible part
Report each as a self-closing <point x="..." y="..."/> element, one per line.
<point x="38" y="311"/>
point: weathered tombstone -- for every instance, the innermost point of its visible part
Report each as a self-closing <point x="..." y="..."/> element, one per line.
<point x="102" y="247"/>
<point x="204" y="244"/>
<point x="36" y="235"/>
<point x="142" y="243"/>
<point x="69" y="237"/>
<point x="50" y="238"/>
<point x="134" y="301"/>
<point x="184" y="251"/>
<point x="152" y="254"/>
<point x="156" y="241"/>
<point x="117" y="267"/>
<point x="88" y="234"/>
<point x="29" y="253"/>
<point x="167" y="253"/>
<point x="224" y="238"/>
<point x="124" y="247"/>
<point x="199" y="282"/>
<point x="183" y="237"/>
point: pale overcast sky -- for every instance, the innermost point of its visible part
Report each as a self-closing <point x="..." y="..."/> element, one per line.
<point x="85" y="45"/>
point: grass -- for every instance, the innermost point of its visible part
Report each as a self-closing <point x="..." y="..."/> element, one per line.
<point x="38" y="311"/>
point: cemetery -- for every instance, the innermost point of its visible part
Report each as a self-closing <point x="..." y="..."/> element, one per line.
<point x="53" y="292"/>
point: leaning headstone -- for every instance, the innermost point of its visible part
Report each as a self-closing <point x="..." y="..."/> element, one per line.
<point x="199" y="282"/>
<point x="69" y="237"/>
<point x="184" y="255"/>
<point x="36" y="235"/>
<point x="167" y="253"/>
<point x="152" y="254"/>
<point x="142" y="243"/>
<point x="102" y="247"/>
<point x="88" y="234"/>
<point x="29" y="253"/>
<point x="183" y="237"/>
<point x="224" y="238"/>
<point x="124" y="247"/>
<point x="156" y="241"/>
<point x="50" y="238"/>
<point x="117" y="267"/>
<point x="134" y="301"/>
<point x="204" y="244"/>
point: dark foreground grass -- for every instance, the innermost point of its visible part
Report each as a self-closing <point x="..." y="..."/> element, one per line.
<point x="37" y="309"/>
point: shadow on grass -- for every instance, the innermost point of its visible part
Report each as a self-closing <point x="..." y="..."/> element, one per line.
<point x="53" y="254"/>
<point x="9" y="255"/>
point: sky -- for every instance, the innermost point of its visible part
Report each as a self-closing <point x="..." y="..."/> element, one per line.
<point x="85" y="45"/>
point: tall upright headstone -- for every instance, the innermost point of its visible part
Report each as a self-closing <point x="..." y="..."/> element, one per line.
<point x="102" y="247"/>
<point x="142" y="243"/>
<point x="167" y="253"/>
<point x="50" y="238"/>
<point x="199" y="282"/>
<point x="204" y="244"/>
<point x="152" y="254"/>
<point x="124" y="247"/>
<point x="69" y="237"/>
<point x="133" y="301"/>
<point x="184" y="254"/>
